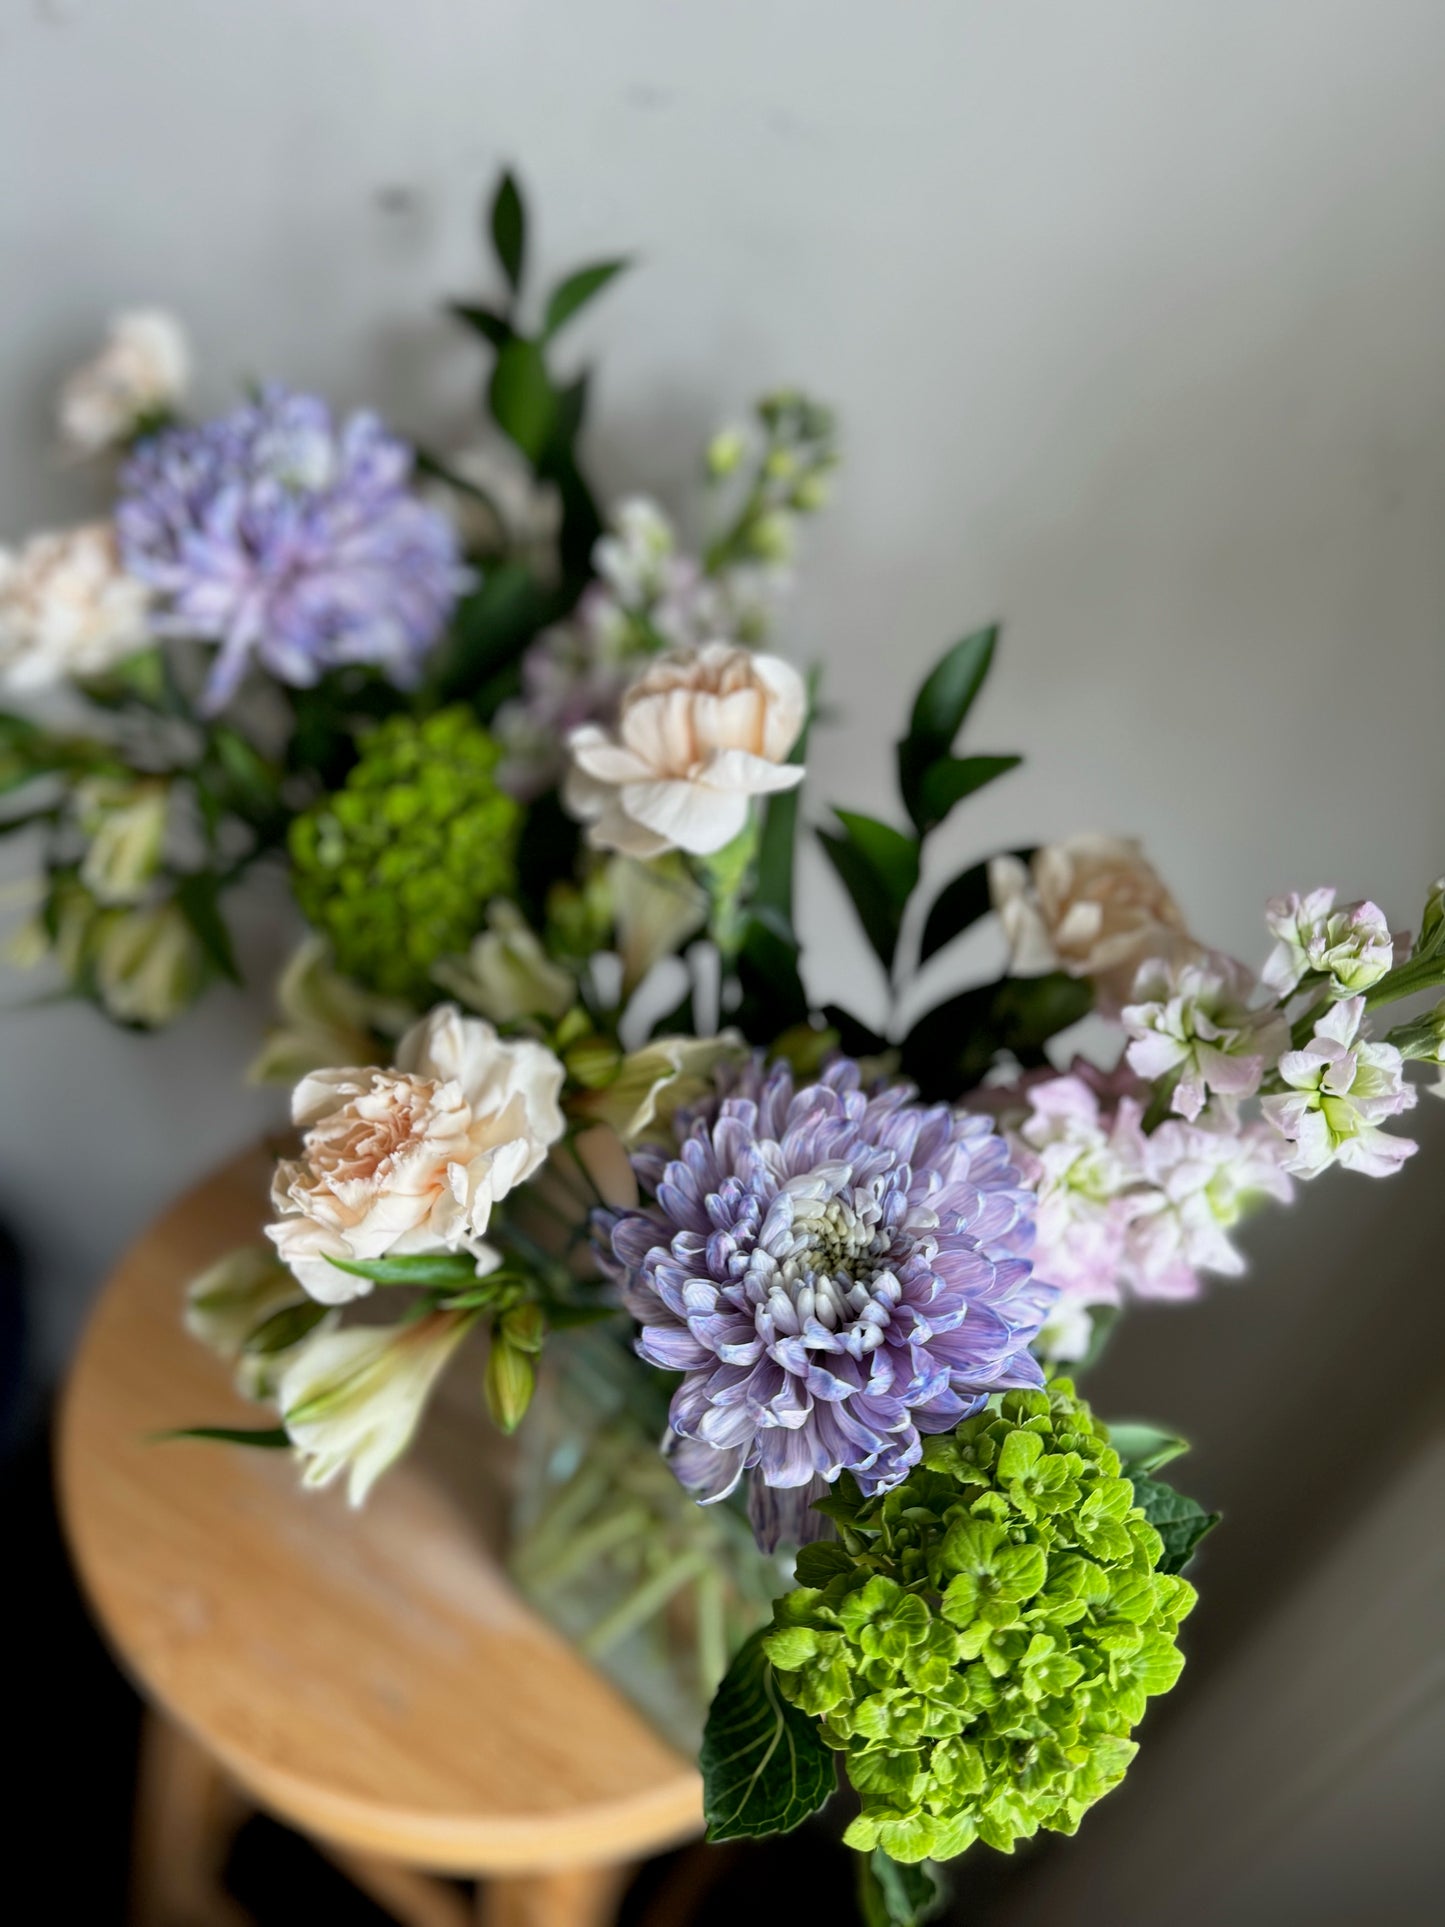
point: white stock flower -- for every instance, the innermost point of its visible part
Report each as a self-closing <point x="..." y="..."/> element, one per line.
<point x="412" y="1159"/>
<point x="633" y="557"/>
<point x="1092" y="906"/>
<point x="126" y="823"/>
<point x="507" y="974"/>
<point x="1068" y="1152"/>
<point x="351" y="1400"/>
<point x="700" y="733"/>
<point x="1193" y="1019"/>
<point x="1352" y="945"/>
<point x="1341" y="1089"/>
<point x="1199" y="1181"/>
<point x="141" y="372"/>
<point x="67" y="608"/>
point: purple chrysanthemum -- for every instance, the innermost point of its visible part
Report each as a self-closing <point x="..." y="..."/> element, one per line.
<point x="286" y="538"/>
<point x="834" y="1274"/>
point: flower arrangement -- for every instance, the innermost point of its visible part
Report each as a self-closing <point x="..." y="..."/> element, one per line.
<point x="560" y="1083"/>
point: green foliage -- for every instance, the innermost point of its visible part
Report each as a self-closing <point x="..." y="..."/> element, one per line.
<point x="434" y="1269"/>
<point x="878" y="866"/>
<point x="931" y="778"/>
<point x="891" y="1894"/>
<point x="765" y="1767"/>
<point x="574" y="291"/>
<point x="509" y="229"/>
<point x="985" y="1635"/>
<point x="951" y="1047"/>
<point x="1180" y="1522"/>
<point x="1143" y="1448"/>
<point x="398" y="866"/>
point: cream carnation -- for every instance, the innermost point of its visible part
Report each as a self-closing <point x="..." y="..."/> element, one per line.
<point x="1092" y="906"/>
<point x="67" y="608"/>
<point x="412" y="1159"/>
<point x="139" y="374"/>
<point x="699" y="733"/>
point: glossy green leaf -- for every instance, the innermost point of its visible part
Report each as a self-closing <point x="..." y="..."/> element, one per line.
<point x="891" y="1894"/>
<point x="437" y="1269"/>
<point x="523" y="400"/>
<point x="951" y="1047"/>
<point x="952" y="778"/>
<point x="878" y="867"/>
<point x="268" y="1437"/>
<point x="764" y="1766"/>
<point x="1180" y="1522"/>
<point x="283" y="1329"/>
<point x="576" y="291"/>
<point x="1144" y="1448"/>
<point x="490" y="325"/>
<point x="198" y="899"/>
<point x="956" y="908"/>
<point x="509" y="229"/>
<point x="939" y="711"/>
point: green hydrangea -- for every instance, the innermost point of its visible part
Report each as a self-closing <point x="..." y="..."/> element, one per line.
<point x="984" y="1637"/>
<point x="397" y="868"/>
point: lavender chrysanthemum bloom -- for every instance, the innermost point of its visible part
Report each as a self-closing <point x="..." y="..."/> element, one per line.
<point x="284" y="537"/>
<point x="834" y="1273"/>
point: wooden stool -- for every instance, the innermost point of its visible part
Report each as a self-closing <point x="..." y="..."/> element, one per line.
<point x="369" y="1678"/>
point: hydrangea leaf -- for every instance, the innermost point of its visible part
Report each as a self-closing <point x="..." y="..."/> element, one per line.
<point x="1144" y="1448"/>
<point x="1180" y="1522"/>
<point x="764" y="1765"/>
<point x="893" y="1895"/>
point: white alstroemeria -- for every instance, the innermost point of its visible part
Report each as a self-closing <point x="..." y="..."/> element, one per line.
<point x="149" y="963"/>
<point x="126" y="821"/>
<point x="232" y="1297"/>
<point x="351" y="1400"/>
<point x="329" y="1022"/>
<point x="1068" y="1332"/>
<point x="1191" y="1020"/>
<point x="519" y="512"/>
<point x="653" y="1082"/>
<point x="1342" y="1088"/>
<point x="68" y="608"/>
<point x="412" y="1159"/>
<point x="1092" y="906"/>
<point x="1199" y="1180"/>
<point x="507" y="975"/>
<point x="1352" y="946"/>
<point x="699" y="734"/>
<point x="139" y="374"/>
<point x="657" y="907"/>
<point x="633" y="557"/>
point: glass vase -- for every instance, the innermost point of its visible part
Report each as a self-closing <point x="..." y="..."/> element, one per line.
<point x="656" y="1590"/>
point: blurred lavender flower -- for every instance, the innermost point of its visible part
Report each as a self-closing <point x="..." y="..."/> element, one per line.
<point x="834" y="1273"/>
<point x="284" y="537"/>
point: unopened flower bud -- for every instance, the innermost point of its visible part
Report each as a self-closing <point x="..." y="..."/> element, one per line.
<point x="525" y="1326"/>
<point x="126" y="824"/>
<point x="593" y="1062"/>
<point x="511" y="1379"/>
<point x="725" y="451"/>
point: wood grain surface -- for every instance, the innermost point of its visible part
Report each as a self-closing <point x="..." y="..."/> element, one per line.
<point x="369" y="1677"/>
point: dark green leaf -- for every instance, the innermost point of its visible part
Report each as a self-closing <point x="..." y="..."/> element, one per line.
<point x="269" y="1438"/>
<point x="773" y="999"/>
<point x="568" y="1317"/>
<point x="939" y="711"/>
<point x="283" y="1329"/>
<point x="952" y="1046"/>
<point x="773" y="889"/>
<point x="952" y="778"/>
<point x="575" y="292"/>
<point x="490" y="629"/>
<point x="1102" y="1321"/>
<point x="198" y="899"/>
<point x="432" y="1268"/>
<point x="764" y="1766"/>
<point x="489" y="325"/>
<point x="854" y="1036"/>
<point x="14" y="824"/>
<point x="1180" y="1522"/>
<point x="956" y="908"/>
<point x="523" y="400"/>
<point x="820" y="1561"/>
<point x="891" y="1894"/>
<point x="509" y="229"/>
<point x="878" y="866"/>
<point x="1144" y="1448"/>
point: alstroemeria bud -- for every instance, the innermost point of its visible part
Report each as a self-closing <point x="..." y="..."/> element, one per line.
<point x="148" y="963"/>
<point x="1432" y="921"/>
<point x="506" y="974"/>
<point x="725" y="451"/>
<point x="511" y="1379"/>
<point x="525" y="1326"/>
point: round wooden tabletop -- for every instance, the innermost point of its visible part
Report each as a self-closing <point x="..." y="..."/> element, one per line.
<point x="368" y="1676"/>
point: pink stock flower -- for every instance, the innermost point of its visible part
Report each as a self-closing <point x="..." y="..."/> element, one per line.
<point x="1341" y="1089"/>
<point x="1191" y="1020"/>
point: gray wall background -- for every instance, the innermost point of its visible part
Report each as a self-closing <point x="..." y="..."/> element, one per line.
<point x="1133" y="315"/>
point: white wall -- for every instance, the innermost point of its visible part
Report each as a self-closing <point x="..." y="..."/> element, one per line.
<point x="1133" y="313"/>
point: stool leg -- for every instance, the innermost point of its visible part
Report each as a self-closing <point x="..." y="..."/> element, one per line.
<point x="415" y="1899"/>
<point x="187" y="1813"/>
<point x="569" y="1897"/>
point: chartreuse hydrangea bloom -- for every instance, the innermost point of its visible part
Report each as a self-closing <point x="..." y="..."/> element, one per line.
<point x="984" y="1637"/>
<point x="397" y="868"/>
